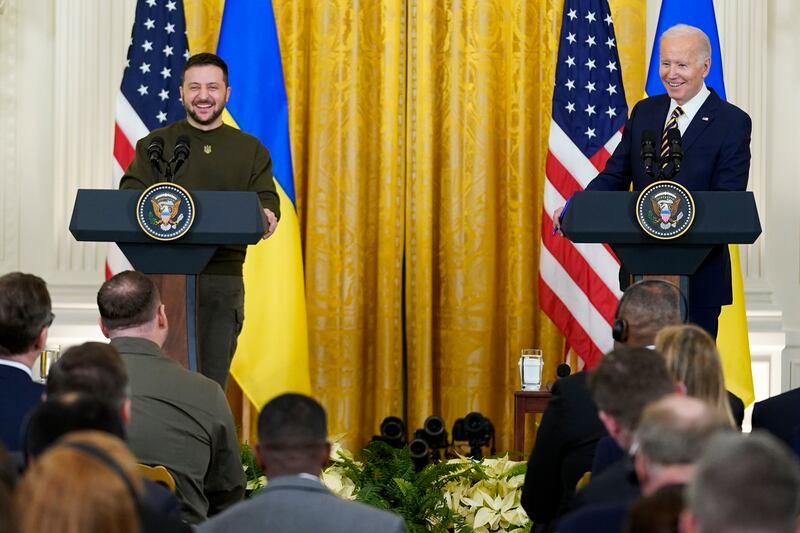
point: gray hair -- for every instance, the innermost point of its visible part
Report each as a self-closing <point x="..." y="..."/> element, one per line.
<point x="684" y="30"/>
<point x="746" y="484"/>
<point x="676" y="430"/>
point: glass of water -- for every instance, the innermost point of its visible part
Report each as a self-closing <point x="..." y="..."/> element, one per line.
<point x="47" y="357"/>
<point x="530" y="369"/>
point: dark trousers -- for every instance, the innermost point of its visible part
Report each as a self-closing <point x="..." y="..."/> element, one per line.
<point x="220" y="315"/>
<point x="706" y="317"/>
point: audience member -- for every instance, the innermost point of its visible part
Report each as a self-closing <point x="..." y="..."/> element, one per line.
<point x="179" y="419"/>
<point x="744" y="484"/>
<point x="85" y="375"/>
<point x="292" y="450"/>
<point x="646" y="307"/>
<point x="25" y="317"/>
<point x="657" y="513"/>
<point x="570" y="428"/>
<point x="693" y="360"/>
<point x="672" y="434"/>
<point x="92" y="369"/>
<point x="625" y="382"/>
<point x="780" y="416"/>
<point x="57" y="416"/>
<point x="88" y="483"/>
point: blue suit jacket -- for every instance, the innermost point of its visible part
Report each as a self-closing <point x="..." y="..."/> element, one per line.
<point x="716" y="157"/>
<point x="18" y="394"/>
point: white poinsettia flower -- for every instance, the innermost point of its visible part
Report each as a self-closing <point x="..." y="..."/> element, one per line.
<point x="337" y="481"/>
<point x="516" y="482"/>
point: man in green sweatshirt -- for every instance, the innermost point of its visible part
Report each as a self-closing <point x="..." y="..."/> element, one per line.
<point x="223" y="158"/>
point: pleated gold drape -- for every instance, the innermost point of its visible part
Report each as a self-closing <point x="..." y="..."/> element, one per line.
<point x="419" y="135"/>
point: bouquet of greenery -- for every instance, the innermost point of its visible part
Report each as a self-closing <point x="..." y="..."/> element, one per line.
<point x="461" y="495"/>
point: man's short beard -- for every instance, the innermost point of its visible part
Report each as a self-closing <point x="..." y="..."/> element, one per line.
<point x="204" y="122"/>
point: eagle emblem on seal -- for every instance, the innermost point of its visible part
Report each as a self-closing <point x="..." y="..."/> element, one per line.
<point x="666" y="208"/>
<point x="166" y="212"/>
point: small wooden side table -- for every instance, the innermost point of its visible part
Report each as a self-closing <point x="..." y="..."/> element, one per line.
<point x="526" y="401"/>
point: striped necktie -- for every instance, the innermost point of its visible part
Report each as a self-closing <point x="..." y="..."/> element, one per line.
<point x="672" y="124"/>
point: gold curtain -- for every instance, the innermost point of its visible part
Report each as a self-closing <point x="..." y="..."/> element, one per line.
<point x="419" y="135"/>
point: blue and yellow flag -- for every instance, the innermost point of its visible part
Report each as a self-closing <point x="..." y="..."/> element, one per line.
<point x="272" y="355"/>
<point x="733" y="341"/>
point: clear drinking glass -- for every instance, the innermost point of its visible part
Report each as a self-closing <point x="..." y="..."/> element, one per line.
<point x="530" y="369"/>
<point x="47" y="357"/>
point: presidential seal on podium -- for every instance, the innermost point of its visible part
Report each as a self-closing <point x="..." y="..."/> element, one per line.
<point x="665" y="210"/>
<point x="165" y="211"/>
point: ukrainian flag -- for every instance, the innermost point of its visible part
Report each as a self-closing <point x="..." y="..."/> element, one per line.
<point x="732" y="340"/>
<point x="272" y="354"/>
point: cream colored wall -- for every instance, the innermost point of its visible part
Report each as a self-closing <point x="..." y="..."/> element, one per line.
<point x="61" y="63"/>
<point x="60" y="66"/>
<point x="782" y="191"/>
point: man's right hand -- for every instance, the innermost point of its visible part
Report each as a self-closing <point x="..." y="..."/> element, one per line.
<point x="557" y="221"/>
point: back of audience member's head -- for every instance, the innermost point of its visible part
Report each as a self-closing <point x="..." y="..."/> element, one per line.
<point x="623" y="384"/>
<point x="128" y="300"/>
<point x="645" y="308"/>
<point x="25" y="310"/>
<point x="692" y="359"/>
<point x="672" y="434"/>
<point x="292" y="434"/>
<point x="657" y="513"/>
<point x="7" y="479"/>
<point x="60" y="415"/>
<point x="92" y="368"/>
<point x="70" y="490"/>
<point x="744" y="484"/>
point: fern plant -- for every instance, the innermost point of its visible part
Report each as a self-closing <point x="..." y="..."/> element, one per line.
<point x="385" y="478"/>
<point x="253" y="474"/>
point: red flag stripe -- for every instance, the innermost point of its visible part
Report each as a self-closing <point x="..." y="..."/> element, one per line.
<point x="577" y="338"/>
<point x="599" y="159"/>
<point x="582" y="273"/>
<point x="559" y="177"/>
<point x="123" y="149"/>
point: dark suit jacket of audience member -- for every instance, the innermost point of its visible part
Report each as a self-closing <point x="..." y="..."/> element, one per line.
<point x="780" y="415"/>
<point x="161" y="499"/>
<point x="564" y="449"/>
<point x="618" y="484"/>
<point x="607" y="518"/>
<point x="608" y="451"/>
<point x="18" y="395"/>
<point x="737" y="409"/>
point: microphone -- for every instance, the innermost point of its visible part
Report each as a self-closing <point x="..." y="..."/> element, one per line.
<point x="563" y="370"/>
<point x="154" y="152"/>
<point x="648" y="151"/>
<point x="675" y="150"/>
<point x="180" y="153"/>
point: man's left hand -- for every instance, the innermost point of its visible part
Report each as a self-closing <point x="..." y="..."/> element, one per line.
<point x="272" y="223"/>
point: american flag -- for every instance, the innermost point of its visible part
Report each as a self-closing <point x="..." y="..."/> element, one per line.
<point x="149" y="97"/>
<point x="578" y="283"/>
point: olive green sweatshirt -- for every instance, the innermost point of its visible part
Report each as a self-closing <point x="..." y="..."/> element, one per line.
<point x="223" y="159"/>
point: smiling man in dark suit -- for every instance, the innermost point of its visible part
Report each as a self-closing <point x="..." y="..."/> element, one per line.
<point x="715" y="138"/>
